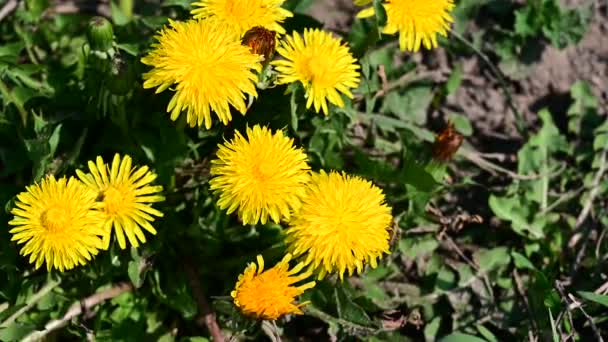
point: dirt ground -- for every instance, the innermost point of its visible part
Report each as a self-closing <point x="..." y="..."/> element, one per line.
<point x="544" y="83"/>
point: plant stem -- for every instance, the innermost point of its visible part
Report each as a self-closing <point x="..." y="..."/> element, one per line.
<point x="77" y="309"/>
<point x="8" y="97"/>
<point x="33" y="300"/>
<point x="126" y="6"/>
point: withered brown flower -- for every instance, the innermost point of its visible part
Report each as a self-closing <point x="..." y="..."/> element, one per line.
<point x="261" y="42"/>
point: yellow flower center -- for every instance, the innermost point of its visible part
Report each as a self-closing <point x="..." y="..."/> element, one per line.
<point x="262" y="172"/>
<point x="316" y="69"/>
<point x="117" y="200"/>
<point x="268" y="295"/>
<point x="55" y="219"/>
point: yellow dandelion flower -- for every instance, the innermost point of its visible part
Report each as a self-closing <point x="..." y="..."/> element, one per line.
<point x="417" y="21"/>
<point x="243" y="15"/>
<point x="209" y="67"/>
<point x="58" y="222"/>
<point x="270" y="294"/>
<point x="323" y="65"/>
<point x="127" y="196"/>
<point x="343" y="223"/>
<point x="261" y="175"/>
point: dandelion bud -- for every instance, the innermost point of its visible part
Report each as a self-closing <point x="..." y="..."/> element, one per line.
<point x="100" y="34"/>
<point x="447" y="143"/>
<point x="261" y="42"/>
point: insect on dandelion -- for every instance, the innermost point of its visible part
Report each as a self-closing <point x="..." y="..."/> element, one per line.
<point x="262" y="175"/>
<point x="447" y="143"/>
<point x="58" y="222"/>
<point x="204" y="62"/>
<point x="322" y="64"/>
<point x="418" y="22"/>
<point x="270" y="294"/>
<point x="127" y="196"/>
<point x="344" y="222"/>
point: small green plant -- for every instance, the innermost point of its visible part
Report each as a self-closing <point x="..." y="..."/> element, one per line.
<point x="198" y="170"/>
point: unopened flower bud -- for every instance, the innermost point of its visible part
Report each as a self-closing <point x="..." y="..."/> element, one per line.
<point x="100" y="34"/>
<point x="261" y="42"/>
<point x="447" y="143"/>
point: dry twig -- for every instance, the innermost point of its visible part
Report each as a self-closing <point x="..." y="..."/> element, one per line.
<point x="593" y="193"/>
<point x="78" y="308"/>
<point x="519" y="287"/>
<point x="206" y="315"/>
<point x="8" y="8"/>
<point x="573" y="303"/>
<point x="404" y="80"/>
<point x="582" y="217"/>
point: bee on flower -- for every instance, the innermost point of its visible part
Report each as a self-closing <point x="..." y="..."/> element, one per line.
<point x="127" y="195"/>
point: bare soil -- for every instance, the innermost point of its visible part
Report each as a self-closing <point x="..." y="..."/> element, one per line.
<point x="544" y="83"/>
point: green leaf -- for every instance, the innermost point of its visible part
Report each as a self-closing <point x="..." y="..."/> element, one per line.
<point x="21" y="95"/>
<point x="565" y="27"/>
<point x="511" y="209"/>
<point x="415" y="175"/>
<point x="492" y="259"/>
<point x="536" y="157"/>
<point x="10" y="52"/>
<point x="16" y="331"/>
<point x="36" y="7"/>
<point x="431" y="329"/>
<point x="521" y="262"/>
<point x="465" y="275"/>
<point x="118" y="16"/>
<point x="131" y="49"/>
<point x="380" y="13"/>
<point x="184" y="4"/>
<point x="197" y="339"/>
<point x="462" y="124"/>
<point x="361" y="36"/>
<point x="137" y="268"/>
<point x="446" y="280"/>
<point x="347" y="309"/>
<point x="454" y="81"/>
<point x="42" y="149"/>
<point x="410" y="106"/>
<point x="582" y="94"/>
<point x="527" y="22"/>
<point x="600" y="142"/>
<point x="486" y="333"/>
<point x="418" y="246"/>
<point x="460" y="337"/>
<point x="594" y="297"/>
<point x="554" y="332"/>
<point x="297" y="6"/>
<point x="301" y="21"/>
